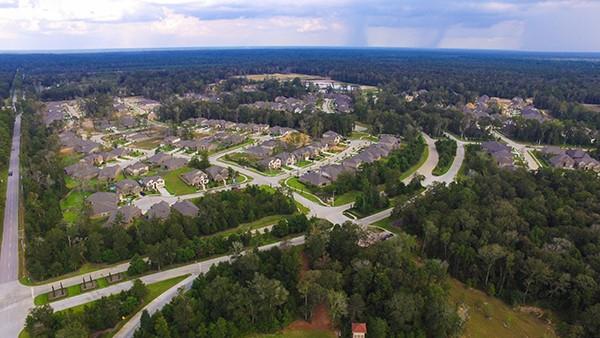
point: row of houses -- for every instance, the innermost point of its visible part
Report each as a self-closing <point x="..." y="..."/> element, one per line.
<point x="328" y="174"/>
<point x="84" y="171"/>
<point x="268" y="158"/>
<point x="227" y="125"/>
<point x="71" y="142"/>
<point x="106" y="204"/>
<point x="570" y="159"/>
<point x="210" y="143"/>
<point x="289" y="104"/>
<point x="201" y="178"/>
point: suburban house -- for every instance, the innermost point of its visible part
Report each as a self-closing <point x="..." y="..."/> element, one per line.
<point x="272" y="163"/>
<point x="562" y="161"/>
<point x="102" y="203"/>
<point x="170" y="141"/>
<point x="152" y="182"/>
<point x="571" y="159"/>
<point x="174" y="163"/>
<point x="389" y="140"/>
<point x="359" y="330"/>
<point x="94" y="159"/>
<point x="314" y="178"/>
<point x="196" y="178"/>
<point x="125" y="214"/>
<point x="160" y="210"/>
<point x="501" y="153"/>
<point x="286" y="158"/>
<point x="82" y="171"/>
<point x="332" y="138"/>
<point x="280" y="131"/>
<point x="137" y="169"/>
<point x="128" y="187"/>
<point x="109" y="173"/>
<point x="217" y="173"/>
<point x="206" y="144"/>
<point x="333" y="171"/>
<point x="186" y="208"/>
<point x="259" y="151"/>
<point x="158" y="159"/>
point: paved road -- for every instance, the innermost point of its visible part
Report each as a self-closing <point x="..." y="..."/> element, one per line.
<point x="9" y="256"/>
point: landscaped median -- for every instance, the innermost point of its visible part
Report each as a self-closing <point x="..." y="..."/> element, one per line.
<point x="104" y="307"/>
<point x="446" y="149"/>
<point x="297" y="186"/>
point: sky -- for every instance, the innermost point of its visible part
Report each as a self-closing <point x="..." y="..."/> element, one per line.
<point x="536" y="25"/>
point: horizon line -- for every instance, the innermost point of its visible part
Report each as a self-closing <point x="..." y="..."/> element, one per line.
<point x="199" y="48"/>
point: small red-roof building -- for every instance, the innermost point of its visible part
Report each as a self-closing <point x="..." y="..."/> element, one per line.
<point x="359" y="330"/>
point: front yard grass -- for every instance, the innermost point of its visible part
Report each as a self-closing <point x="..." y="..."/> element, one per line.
<point x="300" y="188"/>
<point x="175" y="185"/>
<point x="72" y="205"/>
<point x="345" y="198"/>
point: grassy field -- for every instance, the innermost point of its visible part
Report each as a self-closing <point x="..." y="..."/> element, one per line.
<point x="84" y="269"/>
<point x="297" y="334"/>
<point x="386" y="223"/>
<point x="259" y="223"/>
<point x="488" y="314"/>
<point x="415" y="167"/>
<point x="147" y="144"/>
<point x="302" y="208"/>
<point x="72" y="205"/>
<point x="175" y="185"/>
<point x="360" y="135"/>
<point x="345" y="198"/>
<point x="303" y="163"/>
<point x="300" y="188"/>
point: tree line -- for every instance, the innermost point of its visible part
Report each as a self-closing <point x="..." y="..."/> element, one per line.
<point x="527" y="238"/>
<point x="262" y="292"/>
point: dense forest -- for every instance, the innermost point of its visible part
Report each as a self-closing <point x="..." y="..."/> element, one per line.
<point x="528" y="238"/>
<point x="265" y="291"/>
<point x="448" y="79"/>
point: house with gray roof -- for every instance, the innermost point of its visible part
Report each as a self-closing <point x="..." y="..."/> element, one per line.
<point x="286" y="158"/>
<point x="174" y="163"/>
<point x="332" y="138"/>
<point x="82" y="171"/>
<point x="125" y="215"/>
<point x="186" y="208"/>
<point x="272" y="163"/>
<point x="137" y="169"/>
<point x="562" y="161"/>
<point x="314" y="178"/>
<point x="102" y="203"/>
<point x="128" y="187"/>
<point x="109" y="173"/>
<point x="217" y="173"/>
<point x="159" y="158"/>
<point x="160" y="210"/>
<point x="196" y="178"/>
<point x="152" y="182"/>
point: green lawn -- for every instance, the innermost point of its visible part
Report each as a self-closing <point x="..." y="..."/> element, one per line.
<point x="84" y="269"/>
<point x="72" y="290"/>
<point x="360" y="135"/>
<point x="70" y="159"/>
<point x="72" y="205"/>
<point x="297" y="334"/>
<point x="260" y="223"/>
<point x="345" y="198"/>
<point x="175" y="185"/>
<point x="488" y="314"/>
<point x="302" y="208"/>
<point x="446" y="149"/>
<point x="539" y="158"/>
<point x="300" y="188"/>
<point x="386" y="223"/>
<point x="415" y="167"/>
<point x="303" y="163"/>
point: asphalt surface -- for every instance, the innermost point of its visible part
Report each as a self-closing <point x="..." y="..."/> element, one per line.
<point x="9" y="256"/>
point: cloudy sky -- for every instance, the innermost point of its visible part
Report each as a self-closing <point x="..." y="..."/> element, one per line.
<point x="543" y="25"/>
